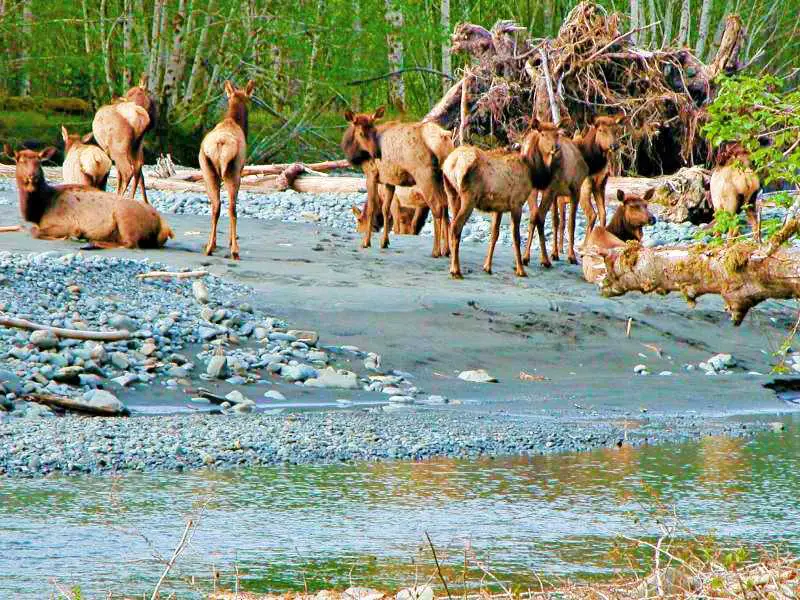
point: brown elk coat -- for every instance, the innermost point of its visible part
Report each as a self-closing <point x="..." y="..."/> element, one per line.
<point x="84" y="163"/>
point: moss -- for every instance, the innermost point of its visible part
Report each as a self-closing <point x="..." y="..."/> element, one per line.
<point x="735" y="256"/>
<point x="790" y="229"/>
<point x="630" y="256"/>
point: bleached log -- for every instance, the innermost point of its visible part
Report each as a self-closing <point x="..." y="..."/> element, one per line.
<point x="172" y="275"/>
<point x="75" y="334"/>
<point x="74" y="405"/>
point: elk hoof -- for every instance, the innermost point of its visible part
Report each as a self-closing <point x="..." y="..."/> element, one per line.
<point x="547" y="264"/>
<point x="554" y="256"/>
<point x="235" y="255"/>
<point x="435" y="254"/>
<point x="487" y="270"/>
<point x="526" y="260"/>
<point x="209" y="250"/>
<point x="385" y="244"/>
<point x="573" y="260"/>
<point x="456" y="275"/>
<point x="365" y="244"/>
<point x="521" y="273"/>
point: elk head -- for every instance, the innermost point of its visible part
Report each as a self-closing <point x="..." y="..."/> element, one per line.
<point x="360" y="141"/>
<point x="70" y="139"/>
<point x="608" y="131"/>
<point x="29" y="167"/>
<point x="636" y="213"/>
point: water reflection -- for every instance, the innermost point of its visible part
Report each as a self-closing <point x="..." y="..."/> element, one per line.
<point x="322" y="526"/>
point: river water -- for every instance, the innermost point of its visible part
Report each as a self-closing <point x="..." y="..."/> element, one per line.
<point x="330" y="526"/>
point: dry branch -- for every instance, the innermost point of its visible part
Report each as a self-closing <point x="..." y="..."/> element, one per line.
<point x="74" y="405"/>
<point x="10" y="228"/>
<point x="172" y="275"/>
<point x="742" y="273"/>
<point x="75" y="334"/>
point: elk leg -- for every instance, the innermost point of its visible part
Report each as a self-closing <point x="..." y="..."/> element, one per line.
<point x="497" y="219"/>
<point x="541" y="212"/>
<point x="573" y="213"/>
<point x="516" y="217"/>
<point x="212" y="181"/>
<point x="556" y="224"/>
<point x="386" y="210"/>
<point x="562" y="223"/>
<point x="124" y="174"/>
<point x="232" y="186"/>
<point x="587" y="191"/>
<point x="456" y="227"/>
<point x="444" y="228"/>
<point x="532" y="206"/>
<point x="372" y="199"/>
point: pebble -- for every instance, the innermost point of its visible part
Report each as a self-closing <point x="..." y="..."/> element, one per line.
<point x="477" y="376"/>
<point x="44" y="339"/>
<point x="200" y="291"/>
<point x="640" y="369"/>
<point x="331" y="378"/>
<point x="274" y="395"/>
<point x="217" y="367"/>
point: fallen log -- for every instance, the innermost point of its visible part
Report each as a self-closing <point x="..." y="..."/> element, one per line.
<point x="10" y="228"/>
<point x="742" y="273"/>
<point x="75" y="334"/>
<point x="267" y="184"/>
<point x="276" y="169"/>
<point x="172" y="275"/>
<point x="65" y="403"/>
<point x="214" y="398"/>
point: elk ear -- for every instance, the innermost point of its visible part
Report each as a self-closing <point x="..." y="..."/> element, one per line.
<point x="251" y="85"/>
<point x="64" y="134"/>
<point x="87" y="139"/>
<point x="379" y="112"/>
<point x="349" y="116"/>
<point x="229" y="89"/>
<point x="47" y="153"/>
<point x="621" y="196"/>
<point x="648" y="195"/>
<point x="143" y="80"/>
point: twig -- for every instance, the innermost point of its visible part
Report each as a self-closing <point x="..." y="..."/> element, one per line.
<point x="172" y="274"/>
<point x="75" y="334"/>
<point x="400" y="71"/>
<point x="10" y="228"/>
<point x="620" y="37"/>
<point x="178" y="550"/>
<point x="438" y="568"/>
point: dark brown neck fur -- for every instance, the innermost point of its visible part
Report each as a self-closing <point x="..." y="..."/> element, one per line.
<point x="33" y="205"/>
<point x="541" y="176"/>
<point x="594" y="156"/>
<point x="237" y="110"/>
<point x="620" y="228"/>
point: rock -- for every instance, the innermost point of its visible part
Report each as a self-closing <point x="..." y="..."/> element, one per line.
<point x="207" y="333"/>
<point x="434" y="399"/>
<point x="640" y="369"/>
<point x="148" y="348"/>
<point x="68" y="375"/>
<point x="777" y="426"/>
<point x="331" y="378"/>
<point x="236" y="396"/>
<point x="104" y="399"/>
<point x="126" y="379"/>
<point x="372" y="362"/>
<point x="361" y="593"/>
<point x="274" y="395"/>
<point x="309" y="337"/>
<point x="260" y="333"/>
<point x="200" y="291"/>
<point x="122" y="322"/>
<point x="217" y="367"/>
<point x="424" y="592"/>
<point x="721" y="362"/>
<point x="120" y="360"/>
<point x="298" y="372"/>
<point x="665" y="373"/>
<point x="674" y="583"/>
<point x="244" y="407"/>
<point x="44" y="339"/>
<point x="477" y="376"/>
<point x="401" y="399"/>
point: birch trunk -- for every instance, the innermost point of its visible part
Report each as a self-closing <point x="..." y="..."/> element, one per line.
<point x="669" y="17"/>
<point x="358" y="31"/>
<point x="127" y="43"/>
<point x="197" y="66"/>
<point x="634" y="21"/>
<point x="172" y="71"/>
<point x="27" y="35"/>
<point x="702" y="33"/>
<point x="447" y="63"/>
<point x="686" y="16"/>
<point x="152" y="69"/>
<point x="653" y="18"/>
<point x="144" y="39"/>
<point x="718" y="33"/>
<point x="87" y="48"/>
<point x="212" y="83"/>
<point x="163" y="51"/>
<point x="312" y="59"/>
<point x="105" y="44"/>
<point x="394" y="41"/>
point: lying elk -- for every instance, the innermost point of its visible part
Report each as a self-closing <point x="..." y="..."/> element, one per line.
<point x="72" y="211"/>
<point x="222" y="156"/>
<point x="498" y="181"/>
<point x="408" y="215"/>
<point x="632" y="215"/>
<point x="734" y="185"/>
<point x="571" y="179"/>
<point x="84" y="163"/>
<point x="596" y="146"/>
<point x="400" y="154"/>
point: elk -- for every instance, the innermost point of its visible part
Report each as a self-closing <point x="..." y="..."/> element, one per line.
<point x="571" y="179"/>
<point x="74" y="211"/>
<point x="734" y="185"/>
<point x="408" y="215"/>
<point x="400" y="154"/>
<point x="498" y="181"/>
<point x="84" y="163"/>
<point x="632" y="215"/>
<point x="595" y="145"/>
<point x="222" y="156"/>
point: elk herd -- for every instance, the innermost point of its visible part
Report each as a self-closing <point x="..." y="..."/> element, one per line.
<point x="411" y="169"/>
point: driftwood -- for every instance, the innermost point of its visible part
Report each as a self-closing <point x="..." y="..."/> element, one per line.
<point x="304" y="183"/>
<point x="172" y="275"/>
<point x="75" y="334"/>
<point x="743" y="273"/>
<point x="276" y="169"/>
<point x="65" y="403"/>
<point x="10" y="228"/>
<point x="214" y="398"/>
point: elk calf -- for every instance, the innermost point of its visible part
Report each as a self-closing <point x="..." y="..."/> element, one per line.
<point x="735" y="186"/>
<point x="408" y="215"/>
<point x="632" y="215"/>
<point x="222" y="156"/>
<point x="497" y="181"/>
<point x="71" y="211"/>
<point x="400" y="154"/>
<point x="84" y="163"/>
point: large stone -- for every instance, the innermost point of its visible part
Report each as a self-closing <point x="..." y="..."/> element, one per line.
<point x="218" y="367"/>
<point x="477" y="376"/>
<point x="68" y="375"/>
<point x="298" y="372"/>
<point x="331" y="378"/>
<point x="44" y="339"/>
<point x="104" y="399"/>
<point x="309" y="337"/>
<point x="122" y="322"/>
<point x="200" y="291"/>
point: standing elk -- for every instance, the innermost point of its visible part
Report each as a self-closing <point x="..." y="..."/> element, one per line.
<point x="498" y="181"/>
<point x="400" y="154"/>
<point x="74" y="211"/>
<point x="222" y="157"/>
<point x="84" y="163"/>
<point x="408" y="215"/>
<point x="734" y="185"/>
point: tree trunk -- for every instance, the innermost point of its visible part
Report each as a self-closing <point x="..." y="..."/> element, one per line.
<point x="358" y="32"/>
<point x="634" y="14"/>
<point x="172" y="71"/>
<point x="152" y="69"/>
<point x="718" y="33"/>
<point x="143" y="37"/>
<point x="197" y="66"/>
<point x="548" y="17"/>
<point x="669" y="17"/>
<point x="308" y="95"/>
<point x="743" y="273"/>
<point x="163" y="52"/>
<point x="686" y="18"/>
<point x="212" y="83"/>
<point x="447" y="63"/>
<point x="702" y="32"/>
<point x="105" y="44"/>
<point x="27" y="41"/>
<point x="127" y="43"/>
<point x="394" y="41"/>
<point x="87" y="48"/>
